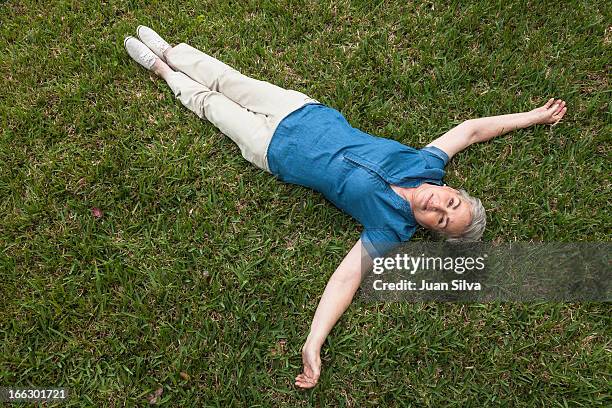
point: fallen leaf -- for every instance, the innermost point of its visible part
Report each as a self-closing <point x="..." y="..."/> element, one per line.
<point x="184" y="375"/>
<point x="96" y="212"/>
<point x="153" y="397"/>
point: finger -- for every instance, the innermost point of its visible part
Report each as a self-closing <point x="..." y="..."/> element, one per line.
<point x="309" y="378"/>
<point x="301" y="382"/>
<point x="305" y="379"/>
<point x="550" y="101"/>
<point x="557" y="118"/>
<point x="305" y="383"/>
<point x="561" y="113"/>
<point x="561" y="106"/>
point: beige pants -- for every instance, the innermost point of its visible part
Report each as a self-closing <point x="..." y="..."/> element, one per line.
<point x="245" y="109"/>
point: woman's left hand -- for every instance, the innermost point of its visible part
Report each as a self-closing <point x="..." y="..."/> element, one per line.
<point x="550" y="113"/>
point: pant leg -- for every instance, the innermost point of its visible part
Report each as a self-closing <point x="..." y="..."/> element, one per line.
<point x="251" y="131"/>
<point x="255" y="95"/>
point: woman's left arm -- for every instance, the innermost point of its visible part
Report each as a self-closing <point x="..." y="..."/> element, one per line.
<point x="483" y="129"/>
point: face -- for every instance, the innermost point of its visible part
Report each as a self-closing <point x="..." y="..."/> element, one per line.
<point x="441" y="208"/>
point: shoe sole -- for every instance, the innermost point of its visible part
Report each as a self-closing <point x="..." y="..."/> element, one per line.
<point x="125" y="40"/>
<point x="138" y="30"/>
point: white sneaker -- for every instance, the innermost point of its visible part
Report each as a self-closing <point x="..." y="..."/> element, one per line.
<point x="139" y="52"/>
<point x="152" y="40"/>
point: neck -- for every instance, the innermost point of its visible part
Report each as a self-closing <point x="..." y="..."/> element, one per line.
<point x="405" y="192"/>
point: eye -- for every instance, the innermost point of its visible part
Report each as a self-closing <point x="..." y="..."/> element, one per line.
<point x="450" y="203"/>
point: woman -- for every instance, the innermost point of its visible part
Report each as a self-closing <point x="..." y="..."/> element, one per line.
<point x="389" y="187"/>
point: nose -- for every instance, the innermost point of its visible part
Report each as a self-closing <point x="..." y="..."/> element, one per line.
<point x="434" y="204"/>
<point x="437" y="207"/>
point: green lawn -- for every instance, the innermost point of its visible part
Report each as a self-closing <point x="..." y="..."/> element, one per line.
<point x="203" y="264"/>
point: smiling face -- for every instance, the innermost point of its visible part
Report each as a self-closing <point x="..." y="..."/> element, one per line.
<point x="441" y="209"/>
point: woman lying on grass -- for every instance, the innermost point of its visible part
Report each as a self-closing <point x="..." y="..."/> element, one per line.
<point x="388" y="187"/>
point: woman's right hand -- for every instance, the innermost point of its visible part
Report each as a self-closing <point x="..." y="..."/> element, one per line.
<point x="550" y="113"/>
<point x="311" y="358"/>
<point x="337" y="295"/>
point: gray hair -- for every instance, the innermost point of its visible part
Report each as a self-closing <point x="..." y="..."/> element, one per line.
<point x="474" y="231"/>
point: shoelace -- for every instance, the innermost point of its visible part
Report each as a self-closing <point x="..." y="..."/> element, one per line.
<point x="147" y="57"/>
<point x="161" y="45"/>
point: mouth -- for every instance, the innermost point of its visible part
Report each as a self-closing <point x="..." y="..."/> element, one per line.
<point x="425" y="201"/>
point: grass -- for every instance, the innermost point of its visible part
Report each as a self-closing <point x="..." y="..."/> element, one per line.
<point x="205" y="265"/>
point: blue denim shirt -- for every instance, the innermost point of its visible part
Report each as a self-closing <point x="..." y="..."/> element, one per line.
<point x="316" y="147"/>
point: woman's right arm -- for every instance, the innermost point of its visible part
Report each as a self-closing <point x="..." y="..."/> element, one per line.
<point x="336" y="298"/>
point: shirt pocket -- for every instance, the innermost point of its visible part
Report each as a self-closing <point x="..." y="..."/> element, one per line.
<point x="366" y="195"/>
<point x="370" y="167"/>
